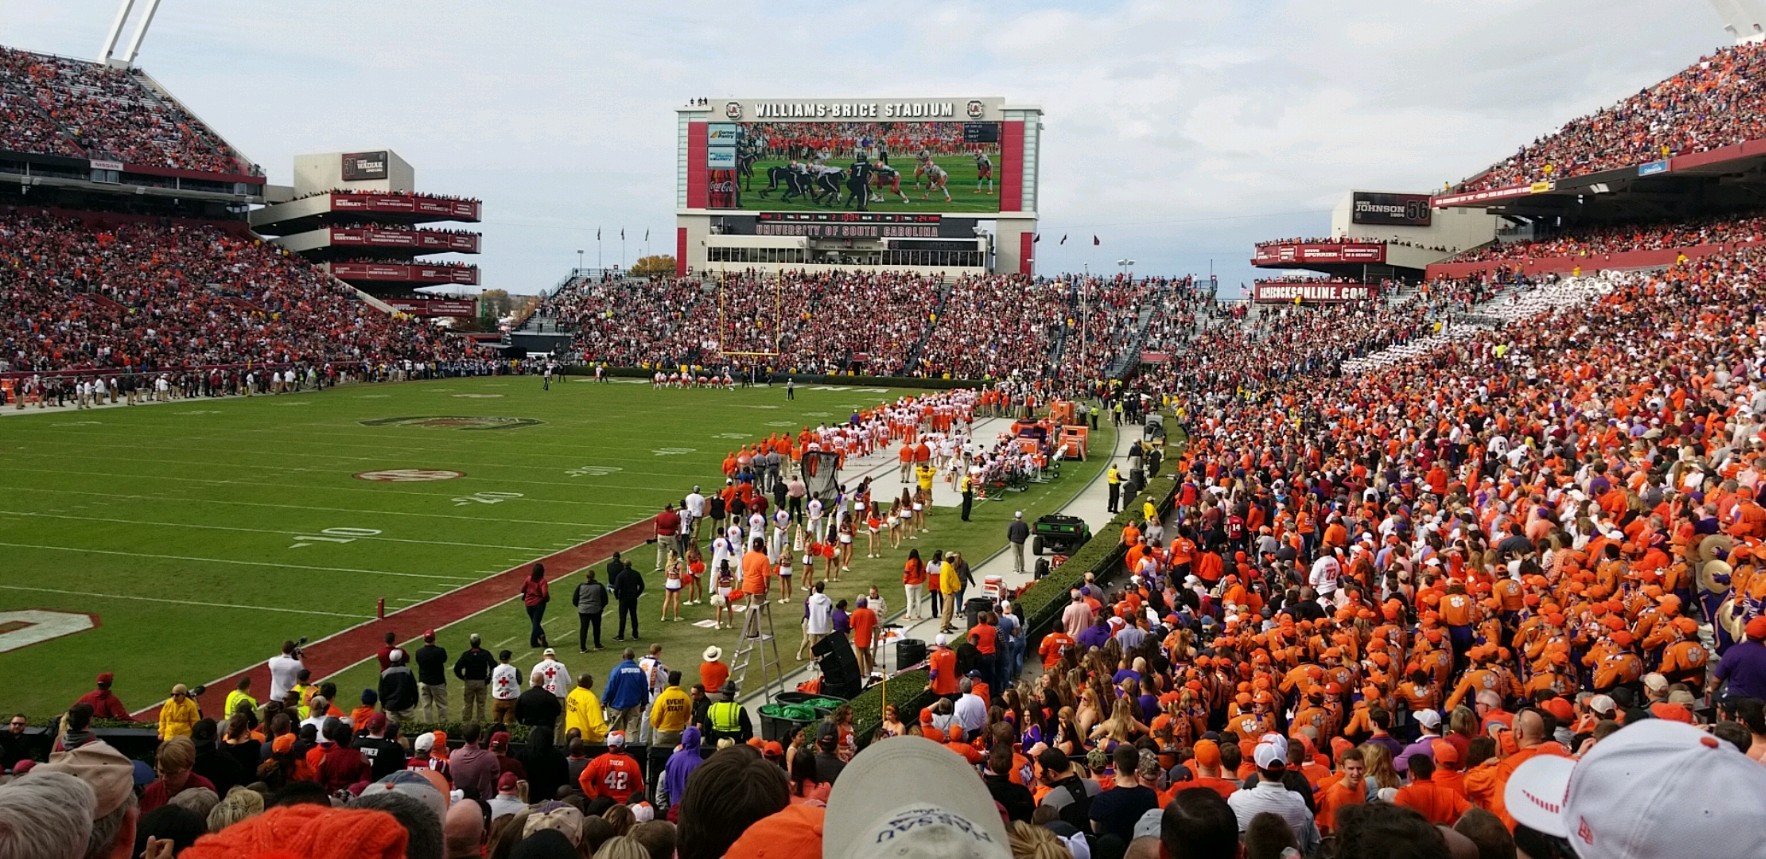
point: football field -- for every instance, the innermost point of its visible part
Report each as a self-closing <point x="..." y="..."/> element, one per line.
<point x="183" y="542"/>
<point x="964" y="197"/>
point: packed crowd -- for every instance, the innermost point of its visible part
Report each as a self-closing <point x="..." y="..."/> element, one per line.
<point x="388" y="193"/>
<point x="876" y="323"/>
<point x="1103" y="321"/>
<point x="1323" y="240"/>
<point x="1714" y="103"/>
<point x="147" y="296"/>
<point x="60" y="106"/>
<point x="1620" y="238"/>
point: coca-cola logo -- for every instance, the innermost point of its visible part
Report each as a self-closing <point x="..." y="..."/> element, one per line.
<point x="723" y="187"/>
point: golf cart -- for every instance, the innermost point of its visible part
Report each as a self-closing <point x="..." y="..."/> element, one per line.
<point x="1154" y="432"/>
<point x="1059" y="534"/>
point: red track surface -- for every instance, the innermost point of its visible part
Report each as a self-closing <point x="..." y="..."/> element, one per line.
<point x="335" y="653"/>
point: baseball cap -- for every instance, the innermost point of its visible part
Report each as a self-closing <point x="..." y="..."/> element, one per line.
<point x="1651" y="789"/>
<point x="424" y="742"/>
<point x="949" y="813"/>
<point x="794" y="832"/>
<point x="1602" y="704"/>
<point x="1148" y="825"/>
<point x="1428" y="719"/>
<point x="616" y="739"/>
<point x="550" y="653"/>
<point x="1756" y="628"/>
<point x="107" y="771"/>
<point x="1207" y="753"/>
<point x="1655" y="682"/>
<point x="106" y="677"/>
<point x="416" y="787"/>
<point x="429" y="635"/>
<point x="506" y="782"/>
<point x="1271" y="752"/>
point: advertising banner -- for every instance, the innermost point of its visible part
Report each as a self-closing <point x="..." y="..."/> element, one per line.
<point x="401" y="204"/>
<point x="1311" y="292"/>
<point x="364" y="166"/>
<point x="462" y="275"/>
<point x="1321" y="254"/>
<point x="1390" y="210"/>
<point x="434" y="306"/>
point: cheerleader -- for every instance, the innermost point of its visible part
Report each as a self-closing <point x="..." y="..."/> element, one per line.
<point x="671" y="586"/>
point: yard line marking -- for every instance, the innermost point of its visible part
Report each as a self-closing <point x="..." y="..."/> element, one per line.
<point x="505" y="642"/>
<point x="180" y="601"/>
<point x="311" y="487"/>
<point x="239" y="563"/>
<point x="113" y="495"/>
<point x="260" y="530"/>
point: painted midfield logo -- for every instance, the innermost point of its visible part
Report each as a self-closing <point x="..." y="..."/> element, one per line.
<point x="408" y="475"/>
<point x="453" y="422"/>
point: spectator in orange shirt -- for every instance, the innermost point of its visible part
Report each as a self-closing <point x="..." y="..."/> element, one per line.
<point x="1439" y="804"/>
<point x="1351" y="789"/>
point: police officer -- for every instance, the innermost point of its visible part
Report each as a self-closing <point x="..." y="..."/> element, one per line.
<point x="726" y="718"/>
<point x="1113" y="478"/>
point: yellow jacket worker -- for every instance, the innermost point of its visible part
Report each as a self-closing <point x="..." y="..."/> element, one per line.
<point x="179" y="714"/>
<point x="582" y="711"/>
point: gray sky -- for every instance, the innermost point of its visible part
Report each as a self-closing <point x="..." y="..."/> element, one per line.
<point x="1178" y="132"/>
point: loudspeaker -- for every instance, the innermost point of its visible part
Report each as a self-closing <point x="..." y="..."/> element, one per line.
<point x="839" y="667"/>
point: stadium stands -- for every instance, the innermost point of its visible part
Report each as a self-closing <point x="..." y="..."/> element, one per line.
<point x="1713" y="103"/>
<point x="881" y="324"/>
<point x="58" y="106"/>
<point x="1624" y="238"/>
<point x="150" y="296"/>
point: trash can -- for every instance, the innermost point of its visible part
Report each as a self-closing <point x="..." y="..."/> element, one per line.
<point x="779" y="721"/>
<point x="974" y="607"/>
<point x="909" y="652"/>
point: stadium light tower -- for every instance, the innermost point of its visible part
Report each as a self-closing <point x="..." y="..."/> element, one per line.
<point x="107" y="53"/>
<point x="1127" y="266"/>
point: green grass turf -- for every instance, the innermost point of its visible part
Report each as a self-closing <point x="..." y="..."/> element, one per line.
<point x="964" y="197"/>
<point x="178" y="525"/>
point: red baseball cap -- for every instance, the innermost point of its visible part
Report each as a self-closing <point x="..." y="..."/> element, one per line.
<point x="793" y="833"/>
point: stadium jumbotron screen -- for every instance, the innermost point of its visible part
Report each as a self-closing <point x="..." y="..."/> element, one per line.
<point x="914" y="166"/>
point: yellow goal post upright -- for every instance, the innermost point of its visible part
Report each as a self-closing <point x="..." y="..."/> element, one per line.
<point x="722" y="323"/>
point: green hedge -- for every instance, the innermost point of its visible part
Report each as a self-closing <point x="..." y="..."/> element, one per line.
<point x="907" y="691"/>
<point x="1042" y="603"/>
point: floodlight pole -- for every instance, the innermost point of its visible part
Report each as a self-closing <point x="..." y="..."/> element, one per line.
<point x="116" y="30"/>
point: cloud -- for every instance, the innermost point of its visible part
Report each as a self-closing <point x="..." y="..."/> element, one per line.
<point x="1178" y="132"/>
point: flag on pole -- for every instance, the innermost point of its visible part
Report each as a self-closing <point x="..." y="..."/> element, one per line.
<point x="1094" y="240"/>
<point x="1063" y="238"/>
<point x="622" y="234"/>
<point x="646" y="235"/>
<point x="1037" y="238"/>
<point x="597" y="234"/>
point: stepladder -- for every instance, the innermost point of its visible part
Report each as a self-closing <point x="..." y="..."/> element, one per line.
<point x="758" y="647"/>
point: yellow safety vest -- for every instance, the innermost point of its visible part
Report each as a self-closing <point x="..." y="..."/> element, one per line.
<point x="726" y="717"/>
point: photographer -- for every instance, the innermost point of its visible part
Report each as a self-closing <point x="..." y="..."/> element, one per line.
<point x="285" y="670"/>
